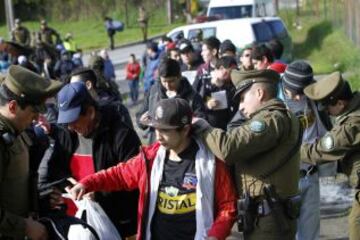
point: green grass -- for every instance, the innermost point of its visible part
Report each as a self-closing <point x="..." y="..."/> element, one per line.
<point x="327" y="48"/>
<point x="91" y="34"/>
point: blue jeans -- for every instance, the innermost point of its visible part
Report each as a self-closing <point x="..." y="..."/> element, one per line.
<point x="134" y="89"/>
<point x="308" y="227"/>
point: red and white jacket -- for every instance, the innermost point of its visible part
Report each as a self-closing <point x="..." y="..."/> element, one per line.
<point x="135" y="174"/>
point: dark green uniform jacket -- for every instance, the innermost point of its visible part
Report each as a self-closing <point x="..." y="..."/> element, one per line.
<point x="342" y="142"/>
<point x="260" y="144"/>
<point x="14" y="182"/>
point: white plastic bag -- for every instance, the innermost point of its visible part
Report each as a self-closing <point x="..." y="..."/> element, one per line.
<point x="95" y="217"/>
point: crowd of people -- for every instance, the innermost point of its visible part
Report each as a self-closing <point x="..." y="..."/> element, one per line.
<point x="231" y="137"/>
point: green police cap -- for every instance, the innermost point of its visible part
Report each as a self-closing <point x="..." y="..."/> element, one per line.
<point x="244" y="79"/>
<point x="29" y="86"/>
<point x="328" y="89"/>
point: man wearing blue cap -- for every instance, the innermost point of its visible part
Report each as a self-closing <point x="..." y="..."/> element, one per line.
<point x="95" y="139"/>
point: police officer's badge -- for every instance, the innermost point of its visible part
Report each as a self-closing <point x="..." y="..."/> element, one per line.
<point x="327" y="142"/>
<point x="257" y="126"/>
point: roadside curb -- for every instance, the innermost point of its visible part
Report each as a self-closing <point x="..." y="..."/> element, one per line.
<point x="128" y="44"/>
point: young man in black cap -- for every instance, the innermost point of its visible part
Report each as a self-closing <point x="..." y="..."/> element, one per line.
<point x="185" y="192"/>
<point x="315" y="124"/>
<point x="94" y="139"/>
<point x="22" y="98"/>
<point x="190" y="60"/>
<point x="342" y="142"/>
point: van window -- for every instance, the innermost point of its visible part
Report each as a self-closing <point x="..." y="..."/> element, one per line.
<point x="278" y="28"/>
<point x="231" y="12"/>
<point x="202" y="33"/>
<point x="262" y="32"/>
<point x="177" y="35"/>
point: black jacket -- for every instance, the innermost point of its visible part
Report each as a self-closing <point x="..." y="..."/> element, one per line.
<point x="158" y="92"/>
<point x="113" y="142"/>
<point x="203" y="85"/>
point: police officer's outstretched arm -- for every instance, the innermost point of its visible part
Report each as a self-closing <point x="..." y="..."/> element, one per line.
<point x="256" y="135"/>
<point x="334" y="145"/>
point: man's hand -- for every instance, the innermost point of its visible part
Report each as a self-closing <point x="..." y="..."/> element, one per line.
<point x="55" y="198"/>
<point x="43" y="123"/>
<point x="145" y="117"/>
<point x="78" y="191"/>
<point x="199" y="125"/>
<point x="212" y="103"/>
<point x="35" y="230"/>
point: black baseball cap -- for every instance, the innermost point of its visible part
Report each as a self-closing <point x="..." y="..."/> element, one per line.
<point x="186" y="46"/>
<point x="170" y="113"/>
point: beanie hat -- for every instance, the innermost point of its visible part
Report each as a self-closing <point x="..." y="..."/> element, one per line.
<point x="297" y="76"/>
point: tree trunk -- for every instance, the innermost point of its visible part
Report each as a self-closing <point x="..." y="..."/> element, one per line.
<point x="169" y="11"/>
<point x="276" y="6"/>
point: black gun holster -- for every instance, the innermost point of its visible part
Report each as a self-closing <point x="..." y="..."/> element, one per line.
<point x="247" y="212"/>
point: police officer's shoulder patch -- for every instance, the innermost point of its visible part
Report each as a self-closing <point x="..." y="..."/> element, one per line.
<point x="257" y="126"/>
<point x="327" y="142"/>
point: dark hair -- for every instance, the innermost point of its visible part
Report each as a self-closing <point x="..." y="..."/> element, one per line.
<point x="169" y="68"/>
<point x="133" y="56"/>
<point x="6" y="96"/>
<point x="212" y="43"/>
<point x="152" y="45"/>
<point x="226" y="62"/>
<point x="86" y="103"/>
<point x="276" y="47"/>
<point x="227" y="45"/>
<point x="166" y="38"/>
<point x="168" y="51"/>
<point x="84" y="74"/>
<point x="261" y="51"/>
<point x="270" y="88"/>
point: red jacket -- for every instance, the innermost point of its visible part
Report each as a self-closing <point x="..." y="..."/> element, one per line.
<point x="132" y="71"/>
<point x="135" y="174"/>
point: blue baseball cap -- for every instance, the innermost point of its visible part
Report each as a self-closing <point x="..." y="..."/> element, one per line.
<point x="70" y="98"/>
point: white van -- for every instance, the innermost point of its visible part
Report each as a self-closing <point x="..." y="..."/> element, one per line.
<point x="241" y="32"/>
<point x="230" y="9"/>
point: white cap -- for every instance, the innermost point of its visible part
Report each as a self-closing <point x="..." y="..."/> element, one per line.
<point x="22" y="59"/>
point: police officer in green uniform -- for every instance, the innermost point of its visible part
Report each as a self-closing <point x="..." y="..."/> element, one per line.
<point x="20" y="34"/>
<point x="47" y="33"/>
<point x="264" y="152"/>
<point x="342" y="142"/>
<point x="22" y="98"/>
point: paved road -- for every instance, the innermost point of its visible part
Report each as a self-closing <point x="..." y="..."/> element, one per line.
<point x="120" y="57"/>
